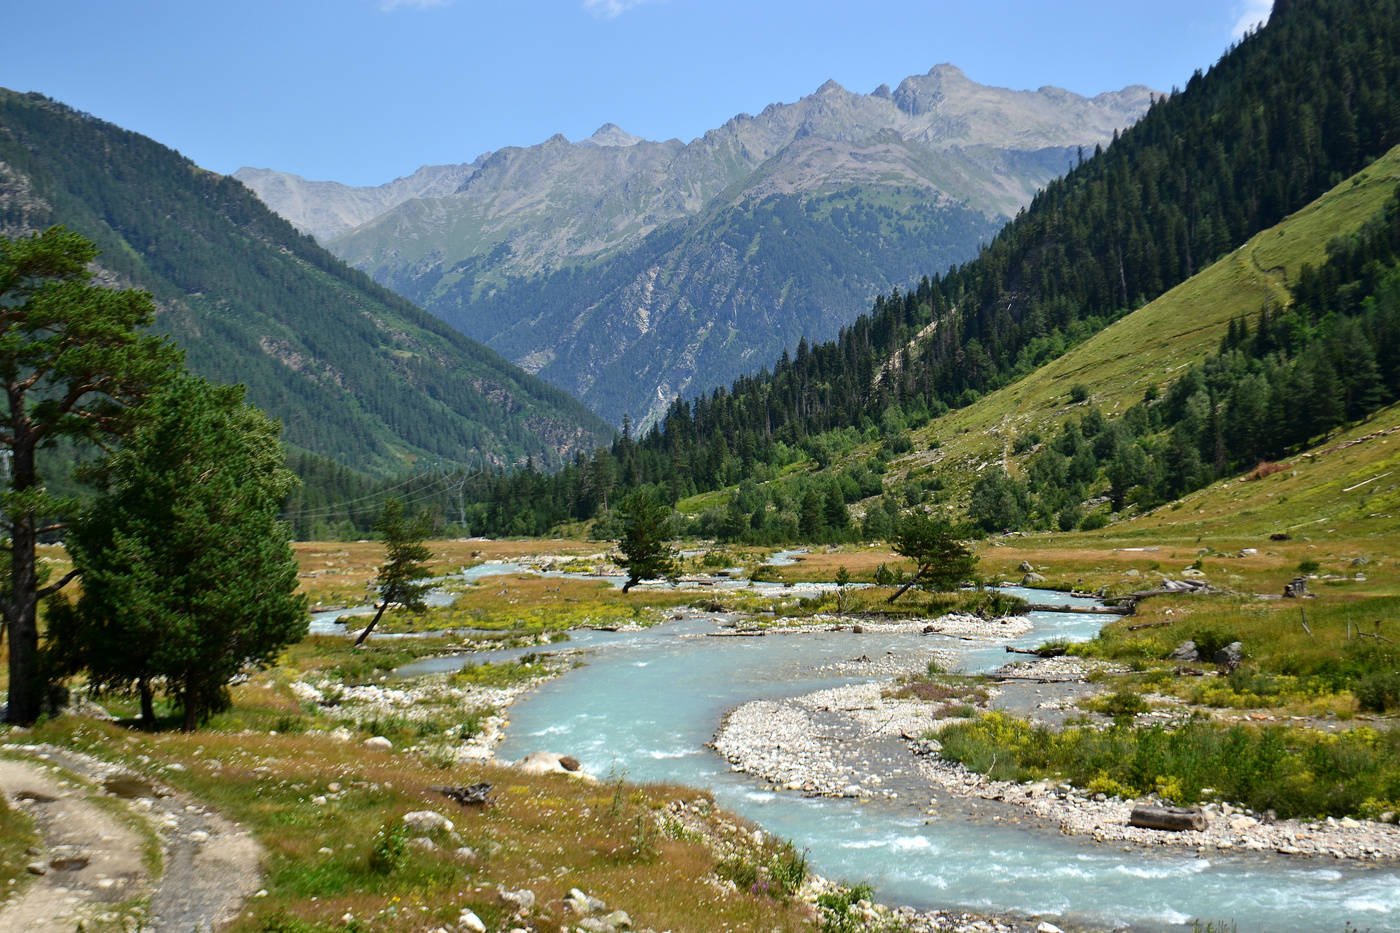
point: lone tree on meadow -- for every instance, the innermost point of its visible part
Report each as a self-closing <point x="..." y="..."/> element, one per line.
<point x="941" y="559"/>
<point x="402" y="578"/>
<point x="646" y="524"/>
<point x="188" y="573"/>
<point x="73" y="357"/>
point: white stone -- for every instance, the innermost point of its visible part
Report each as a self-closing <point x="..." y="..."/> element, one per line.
<point x="427" y="821"/>
<point x="378" y="742"/>
<point x="468" y="920"/>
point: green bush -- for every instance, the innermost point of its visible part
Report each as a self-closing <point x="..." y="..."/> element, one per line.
<point x="739" y="870"/>
<point x="1210" y="640"/>
<point x="836" y="908"/>
<point x="1093" y="521"/>
<point x="994" y="604"/>
<point x="787" y="868"/>
<point x="1378" y="691"/>
<point x="1120" y="704"/>
<point x="1294" y="771"/>
<point x="389" y="849"/>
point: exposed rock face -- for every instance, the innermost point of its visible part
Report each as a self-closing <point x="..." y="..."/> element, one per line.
<point x="629" y="271"/>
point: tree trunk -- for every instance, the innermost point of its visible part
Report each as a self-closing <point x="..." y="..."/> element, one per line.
<point x="26" y="683"/>
<point x="905" y="588"/>
<point x="148" y="709"/>
<point x="372" y="623"/>
<point x="189" y="707"/>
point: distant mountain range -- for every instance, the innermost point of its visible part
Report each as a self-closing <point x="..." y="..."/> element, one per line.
<point x="358" y="376"/>
<point x="629" y="271"/>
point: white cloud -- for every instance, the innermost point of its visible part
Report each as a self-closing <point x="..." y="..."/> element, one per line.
<point x="389" y="6"/>
<point x="610" y="9"/>
<point x="1252" y="13"/>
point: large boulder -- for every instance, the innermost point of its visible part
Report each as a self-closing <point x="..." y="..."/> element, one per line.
<point x="1186" y="651"/>
<point x="1230" y="656"/>
<point x="546" y="763"/>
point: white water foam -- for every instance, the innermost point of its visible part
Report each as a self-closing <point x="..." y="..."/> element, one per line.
<point x="1180" y="869"/>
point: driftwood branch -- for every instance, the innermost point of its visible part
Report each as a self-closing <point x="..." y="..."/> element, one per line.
<point x="1171" y="819"/>
<point x="1157" y="624"/>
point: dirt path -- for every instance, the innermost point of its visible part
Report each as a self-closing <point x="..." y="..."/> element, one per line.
<point x="92" y="860"/>
<point x="93" y="856"/>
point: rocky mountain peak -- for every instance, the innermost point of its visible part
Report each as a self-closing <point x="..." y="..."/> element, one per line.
<point x="610" y="134"/>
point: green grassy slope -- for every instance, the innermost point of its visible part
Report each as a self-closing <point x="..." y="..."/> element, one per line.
<point x="1149" y="347"/>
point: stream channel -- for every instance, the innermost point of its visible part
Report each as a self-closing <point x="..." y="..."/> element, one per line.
<point x="645" y="703"/>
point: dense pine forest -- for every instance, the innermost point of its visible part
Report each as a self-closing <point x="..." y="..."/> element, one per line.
<point x="1291" y="110"/>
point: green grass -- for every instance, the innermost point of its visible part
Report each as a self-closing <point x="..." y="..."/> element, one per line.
<point x="504" y="674"/>
<point x="1294" y="771"/>
<point x="17" y="834"/>
<point x="533" y="604"/>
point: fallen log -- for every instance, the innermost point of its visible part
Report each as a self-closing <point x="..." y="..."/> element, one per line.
<point x="1055" y="652"/>
<point x="1082" y="610"/>
<point x="1158" y="624"/>
<point x="1168" y="819"/>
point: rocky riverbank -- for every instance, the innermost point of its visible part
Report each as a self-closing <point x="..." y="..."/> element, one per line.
<point x="483" y="709"/>
<point x="795" y="744"/>
<point x="961" y="625"/>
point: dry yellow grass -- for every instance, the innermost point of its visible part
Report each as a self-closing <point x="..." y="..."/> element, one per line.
<point x="546" y="833"/>
<point x="340" y="573"/>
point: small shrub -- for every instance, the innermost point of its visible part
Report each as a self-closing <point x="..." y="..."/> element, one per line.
<point x="1210" y="640"/>
<point x="1122" y="703"/>
<point x="836" y="908"/>
<point x="739" y="870"/>
<point x="1101" y="783"/>
<point x="1378" y="691"/>
<point x="787" y="868"/>
<point x="1266" y="468"/>
<point x="899" y="444"/>
<point x="994" y="604"/>
<point x="1093" y="521"/>
<point x="389" y="849"/>
<point x="1309" y="566"/>
<point x="1078" y="392"/>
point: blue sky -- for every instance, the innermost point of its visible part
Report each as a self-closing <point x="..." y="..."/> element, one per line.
<point x="362" y="91"/>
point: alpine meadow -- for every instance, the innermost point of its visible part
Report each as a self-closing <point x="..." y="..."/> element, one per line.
<point x="952" y="507"/>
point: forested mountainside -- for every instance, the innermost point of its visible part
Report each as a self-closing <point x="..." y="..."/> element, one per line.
<point x="1290" y="111"/>
<point x="630" y="272"/>
<point x="358" y="376"/>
